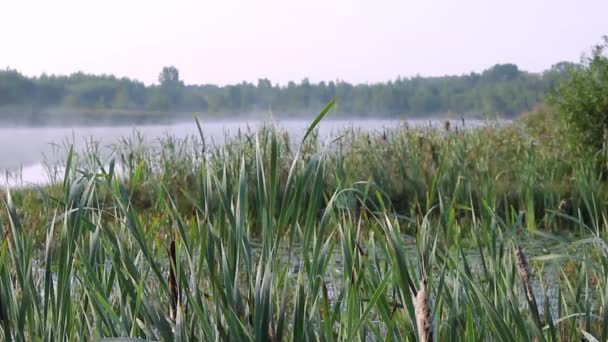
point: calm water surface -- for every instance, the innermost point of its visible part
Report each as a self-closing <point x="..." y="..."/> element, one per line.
<point x="25" y="151"/>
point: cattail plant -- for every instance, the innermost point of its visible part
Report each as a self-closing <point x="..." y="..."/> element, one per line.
<point x="526" y="276"/>
<point x="322" y="273"/>
<point x="423" y="309"/>
<point x="524" y="272"/>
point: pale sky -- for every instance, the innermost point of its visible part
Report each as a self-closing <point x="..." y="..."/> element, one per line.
<point x="226" y="42"/>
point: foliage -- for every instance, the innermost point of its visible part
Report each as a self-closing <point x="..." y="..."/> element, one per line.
<point x="582" y="101"/>
<point x="251" y="241"/>
<point x="502" y="90"/>
<point x="169" y="76"/>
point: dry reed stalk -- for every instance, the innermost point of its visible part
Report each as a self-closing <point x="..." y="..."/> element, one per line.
<point x="524" y="272"/>
<point x="526" y="275"/>
<point x="424" y="320"/>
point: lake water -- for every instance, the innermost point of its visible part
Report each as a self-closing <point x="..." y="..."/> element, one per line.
<point x="25" y="152"/>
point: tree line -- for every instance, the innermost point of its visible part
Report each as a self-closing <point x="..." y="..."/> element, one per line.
<point x="502" y="90"/>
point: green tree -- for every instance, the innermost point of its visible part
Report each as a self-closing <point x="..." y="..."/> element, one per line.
<point x="582" y="101"/>
<point x="171" y="87"/>
<point x="169" y="76"/>
<point x="158" y="100"/>
<point x="501" y="89"/>
<point x="121" y="98"/>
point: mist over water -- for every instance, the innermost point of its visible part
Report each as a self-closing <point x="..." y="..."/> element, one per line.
<point x="34" y="155"/>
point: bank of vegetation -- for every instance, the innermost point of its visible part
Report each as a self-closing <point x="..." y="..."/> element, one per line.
<point x="403" y="235"/>
<point x="502" y="90"/>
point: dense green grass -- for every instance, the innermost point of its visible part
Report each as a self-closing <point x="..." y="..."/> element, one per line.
<point x="192" y="241"/>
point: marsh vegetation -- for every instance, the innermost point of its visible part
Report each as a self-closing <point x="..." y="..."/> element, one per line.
<point x="406" y="234"/>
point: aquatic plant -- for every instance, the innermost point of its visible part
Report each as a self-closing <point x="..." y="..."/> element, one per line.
<point x="261" y="240"/>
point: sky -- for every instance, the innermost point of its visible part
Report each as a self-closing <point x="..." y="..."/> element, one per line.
<point x="226" y="41"/>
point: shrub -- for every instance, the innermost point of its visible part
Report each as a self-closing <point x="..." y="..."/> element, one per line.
<point x="581" y="101"/>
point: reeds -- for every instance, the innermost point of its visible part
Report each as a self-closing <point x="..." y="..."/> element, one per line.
<point x="302" y="243"/>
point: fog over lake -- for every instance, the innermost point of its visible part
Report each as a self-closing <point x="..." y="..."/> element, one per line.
<point x="26" y="151"/>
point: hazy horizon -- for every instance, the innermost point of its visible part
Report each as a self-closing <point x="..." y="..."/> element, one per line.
<point x="297" y="81"/>
<point x="357" y="42"/>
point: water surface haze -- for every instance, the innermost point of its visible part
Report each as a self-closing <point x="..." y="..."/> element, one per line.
<point x="27" y="151"/>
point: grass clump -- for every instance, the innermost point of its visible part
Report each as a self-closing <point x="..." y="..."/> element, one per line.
<point x="401" y="235"/>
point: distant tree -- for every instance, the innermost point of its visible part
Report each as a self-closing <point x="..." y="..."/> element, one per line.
<point x="564" y="67"/>
<point x="158" y="100"/>
<point x="216" y="101"/>
<point x="235" y="97"/>
<point x="193" y="101"/>
<point x="502" y="72"/>
<point x="14" y="88"/>
<point x="169" y="76"/>
<point x="264" y="94"/>
<point x="121" y="98"/>
<point x="171" y="87"/>
<point x="101" y="103"/>
<point x="70" y="101"/>
<point x="558" y="72"/>
<point x="502" y="89"/>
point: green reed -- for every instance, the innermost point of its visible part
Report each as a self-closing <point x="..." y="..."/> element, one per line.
<point x="262" y="240"/>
